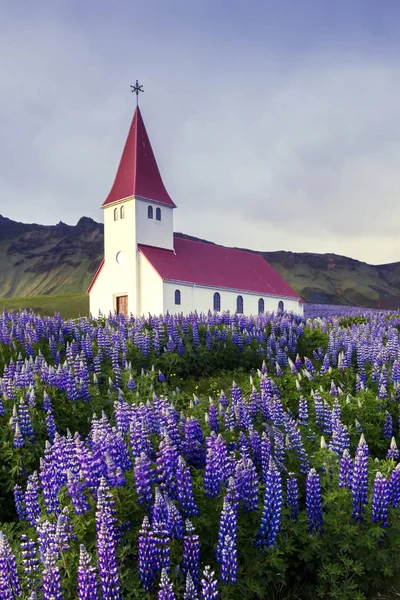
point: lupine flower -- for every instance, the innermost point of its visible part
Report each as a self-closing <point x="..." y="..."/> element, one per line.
<point x="143" y="479"/>
<point x="393" y="451"/>
<point x="346" y="470"/>
<point x="9" y="582"/>
<point x="106" y="549"/>
<point x="147" y="556"/>
<point x="209" y="585"/>
<point x="190" y="592"/>
<point x="394" y="487"/>
<point x="30" y="562"/>
<point x="185" y="490"/>
<point x="380" y="501"/>
<point x="271" y="515"/>
<point x="19" y="501"/>
<point x="359" y="480"/>
<point x="314" y="502"/>
<point x="191" y="553"/>
<point x="166" y="590"/>
<point x="87" y="582"/>
<point x="51" y="579"/>
<point x="388" y="426"/>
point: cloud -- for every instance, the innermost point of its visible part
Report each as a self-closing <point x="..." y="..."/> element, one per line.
<point x="260" y="143"/>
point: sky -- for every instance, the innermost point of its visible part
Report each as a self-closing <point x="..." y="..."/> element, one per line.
<point x="275" y="123"/>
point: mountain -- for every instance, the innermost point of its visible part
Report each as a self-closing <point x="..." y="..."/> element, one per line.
<point x="62" y="259"/>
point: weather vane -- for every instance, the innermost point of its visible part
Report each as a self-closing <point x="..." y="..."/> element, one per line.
<point x="137" y="88"/>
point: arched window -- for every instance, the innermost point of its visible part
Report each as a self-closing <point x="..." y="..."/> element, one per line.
<point x="122" y="212"/>
<point x="217" y="302"/>
<point x="177" y="297"/>
<point x="149" y="212"/>
<point x="158" y="214"/>
<point x="280" y="306"/>
<point x="115" y="214"/>
<point x="239" y="304"/>
<point x="260" y="306"/>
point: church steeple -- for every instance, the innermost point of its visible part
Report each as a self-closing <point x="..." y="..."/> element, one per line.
<point x="138" y="173"/>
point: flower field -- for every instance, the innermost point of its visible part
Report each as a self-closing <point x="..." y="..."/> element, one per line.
<point x="200" y="457"/>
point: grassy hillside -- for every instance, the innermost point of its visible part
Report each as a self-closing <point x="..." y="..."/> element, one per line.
<point x="69" y="306"/>
<point x="37" y="260"/>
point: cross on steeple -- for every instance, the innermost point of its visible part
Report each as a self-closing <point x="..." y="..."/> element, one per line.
<point x="137" y="88"/>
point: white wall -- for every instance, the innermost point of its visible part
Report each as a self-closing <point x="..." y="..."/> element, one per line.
<point x="200" y="298"/>
<point x="117" y="279"/>
<point x="153" y="232"/>
<point x="151" y="288"/>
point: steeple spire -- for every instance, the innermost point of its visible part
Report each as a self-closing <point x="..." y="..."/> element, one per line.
<point x="137" y="88"/>
<point x="138" y="173"/>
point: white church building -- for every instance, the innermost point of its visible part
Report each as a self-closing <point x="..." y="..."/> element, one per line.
<point x="147" y="269"/>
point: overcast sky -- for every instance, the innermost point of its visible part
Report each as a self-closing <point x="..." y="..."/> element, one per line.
<point x="275" y="123"/>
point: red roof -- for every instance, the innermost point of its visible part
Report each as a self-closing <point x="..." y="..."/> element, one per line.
<point x="138" y="173"/>
<point x="217" y="266"/>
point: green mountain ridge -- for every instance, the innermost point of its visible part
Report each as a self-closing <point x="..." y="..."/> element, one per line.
<point x="62" y="259"/>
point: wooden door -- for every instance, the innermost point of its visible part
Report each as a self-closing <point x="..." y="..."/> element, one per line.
<point x="122" y="305"/>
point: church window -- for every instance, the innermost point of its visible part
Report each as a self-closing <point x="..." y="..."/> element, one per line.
<point x="158" y="214"/>
<point x="260" y="306"/>
<point x="177" y="297"/>
<point x="239" y="304"/>
<point x="149" y="212"/>
<point x="280" y="306"/>
<point x="122" y="212"/>
<point x="115" y="214"/>
<point x="217" y="302"/>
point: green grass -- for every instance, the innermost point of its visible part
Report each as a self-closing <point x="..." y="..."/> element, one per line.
<point x="69" y="306"/>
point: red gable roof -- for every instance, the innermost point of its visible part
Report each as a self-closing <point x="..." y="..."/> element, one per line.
<point x="217" y="266"/>
<point x="138" y="173"/>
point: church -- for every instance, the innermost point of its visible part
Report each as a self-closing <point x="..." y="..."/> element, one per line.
<point x="148" y="269"/>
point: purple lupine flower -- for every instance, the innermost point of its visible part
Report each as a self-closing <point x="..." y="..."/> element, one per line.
<point x="388" y="426"/>
<point x="193" y="443"/>
<point x="144" y="477"/>
<point x="32" y="499"/>
<point x="19" y="501"/>
<point x="246" y="483"/>
<point x="314" y="502"/>
<point x="209" y="585"/>
<point x="30" y="562"/>
<point x="18" y="441"/>
<point x="106" y="546"/>
<point x="266" y="453"/>
<point x="147" y="556"/>
<point x="346" y="470"/>
<point x="292" y="496"/>
<point x="10" y="587"/>
<point x="166" y="465"/>
<point x="394" y="487"/>
<point x="393" y="451"/>
<point x="77" y="493"/>
<point x="186" y="498"/>
<point x="174" y="521"/>
<point x="87" y="582"/>
<point x="213" y="417"/>
<point x="212" y="475"/>
<point x="359" y="481"/>
<point x="51" y="579"/>
<point x="166" y="590"/>
<point x="191" y="553"/>
<point x="380" y="500"/>
<point x="226" y="546"/>
<point x="271" y="515"/>
<point x="190" y="592"/>
<point x="161" y="376"/>
<point x="296" y="442"/>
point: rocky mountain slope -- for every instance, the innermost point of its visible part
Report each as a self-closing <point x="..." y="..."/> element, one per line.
<point x="61" y="259"/>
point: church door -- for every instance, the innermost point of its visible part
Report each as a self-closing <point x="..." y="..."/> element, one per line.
<point x="122" y="305"/>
